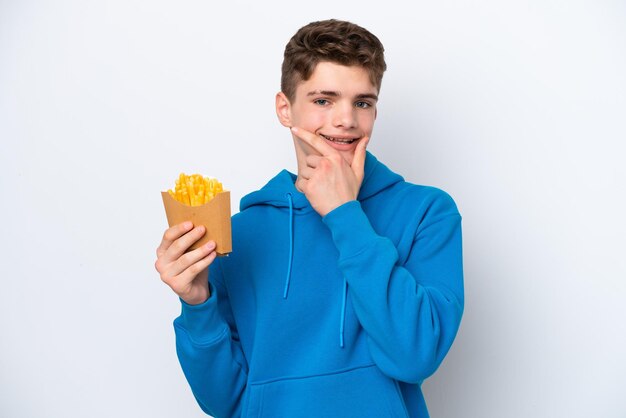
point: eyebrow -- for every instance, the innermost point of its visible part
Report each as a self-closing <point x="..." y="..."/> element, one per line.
<point x="332" y="93"/>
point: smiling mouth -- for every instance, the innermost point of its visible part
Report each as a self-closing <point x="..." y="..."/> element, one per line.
<point x="339" y="140"/>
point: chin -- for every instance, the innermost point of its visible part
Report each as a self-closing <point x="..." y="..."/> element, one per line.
<point x="348" y="156"/>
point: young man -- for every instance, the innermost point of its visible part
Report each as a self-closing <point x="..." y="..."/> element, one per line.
<point x="344" y="290"/>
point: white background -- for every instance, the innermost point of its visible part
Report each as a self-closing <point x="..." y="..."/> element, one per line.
<point x="517" y="109"/>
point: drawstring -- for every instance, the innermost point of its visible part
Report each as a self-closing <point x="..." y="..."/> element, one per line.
<point x="290" y="245"/>
<point x="342" y="320"/>
<point x="344" y="292"/>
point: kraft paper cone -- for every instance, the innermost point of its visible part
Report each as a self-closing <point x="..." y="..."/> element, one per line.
<point x="215" y="216"/>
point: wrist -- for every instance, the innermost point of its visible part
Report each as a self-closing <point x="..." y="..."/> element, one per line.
<point x="331" y="208"/>
<point x="196" y="297"/>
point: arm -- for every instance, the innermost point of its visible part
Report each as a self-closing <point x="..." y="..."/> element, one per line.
<point x="410" y="311"/>
<point x="207" y="342"/>
<point x="210" y="353"/>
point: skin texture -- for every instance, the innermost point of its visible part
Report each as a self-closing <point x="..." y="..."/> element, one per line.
<point x="336" y="104"/>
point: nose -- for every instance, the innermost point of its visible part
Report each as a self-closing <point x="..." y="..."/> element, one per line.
<point x="344" y="116"/>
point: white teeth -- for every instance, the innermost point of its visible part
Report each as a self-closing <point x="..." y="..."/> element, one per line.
<point x="338" y="140"/>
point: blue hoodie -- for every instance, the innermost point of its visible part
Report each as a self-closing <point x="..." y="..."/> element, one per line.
<point x="336" y="316"/>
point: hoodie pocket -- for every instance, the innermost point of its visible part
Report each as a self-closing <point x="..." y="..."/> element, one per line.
<point x="361" y="392"/>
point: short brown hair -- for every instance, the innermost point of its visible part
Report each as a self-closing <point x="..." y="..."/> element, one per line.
<point x="334" y="41"/>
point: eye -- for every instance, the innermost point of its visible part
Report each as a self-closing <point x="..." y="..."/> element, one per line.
<point x="321" y="102"/>
<point x="362" y="105"/>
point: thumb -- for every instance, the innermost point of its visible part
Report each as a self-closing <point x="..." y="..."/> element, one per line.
<point x="358" y="162"/>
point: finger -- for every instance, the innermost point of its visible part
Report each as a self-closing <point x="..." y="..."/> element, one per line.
<point x="192" y="271"/>
<point x="181" y="245"/>
<point x="358" y="161"/>
<point x="313" y="160"/>
<point x="315" y="141"/>
<point x="306" y="173"/>
<point x="172" y="234"/>
<point x="301" y="184"/>
<point x="182" y="282"/>
<point x="190" y="258"/>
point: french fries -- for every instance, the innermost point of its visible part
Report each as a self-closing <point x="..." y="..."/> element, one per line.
<point x="195" y="190"/>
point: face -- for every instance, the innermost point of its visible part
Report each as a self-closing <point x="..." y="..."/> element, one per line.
<point x="337" y="102"/>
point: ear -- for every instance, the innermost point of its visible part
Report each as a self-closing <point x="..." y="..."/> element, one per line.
<point x="283" y="109"/>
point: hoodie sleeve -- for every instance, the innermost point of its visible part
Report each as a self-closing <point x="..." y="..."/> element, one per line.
<point x="210" y="353"/>
<point x="411" y="311"/>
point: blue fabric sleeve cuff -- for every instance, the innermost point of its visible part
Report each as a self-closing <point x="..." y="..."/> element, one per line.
<point x="351" y="229"/>
<point x="203" y="323"/>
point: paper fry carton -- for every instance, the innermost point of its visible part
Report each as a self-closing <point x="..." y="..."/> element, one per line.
<point x="215" y="216"/>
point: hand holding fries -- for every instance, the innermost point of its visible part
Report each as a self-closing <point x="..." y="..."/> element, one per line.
<point x="185" y="252"/>
<point x="185" y="272"/>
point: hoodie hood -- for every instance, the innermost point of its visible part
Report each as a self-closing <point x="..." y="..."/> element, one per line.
<point x="377" y="177"/>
